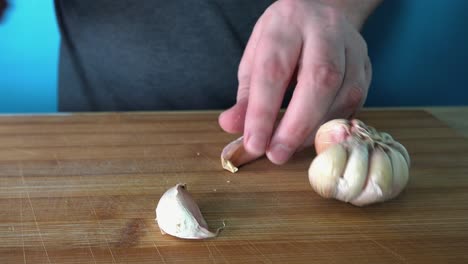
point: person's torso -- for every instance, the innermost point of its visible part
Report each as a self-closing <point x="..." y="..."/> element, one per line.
<point x="152" y="55"/>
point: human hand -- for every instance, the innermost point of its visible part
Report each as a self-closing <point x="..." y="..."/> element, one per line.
<point x="323" y="44"/>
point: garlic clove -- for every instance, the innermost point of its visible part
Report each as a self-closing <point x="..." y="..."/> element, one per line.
<point x="178" y="215"/>
<point x="400" y="172"/>
<point x="400" y="148"/>
<point x="388" y="168"/>
<point x="379" y="181"/>
<point x="326" y="169"/>
<point x="234" y="155"/>
<point x="385" y="137"/>
<point x="331" y="133"/>
<point x="355" y="174"/>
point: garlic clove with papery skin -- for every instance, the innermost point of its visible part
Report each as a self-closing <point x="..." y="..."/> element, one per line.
<point x="355" y="173"/>
<point x="331" y="133"/>
<point x="400" y="172"/>
<point x="235" y="155"/>
<point x="379" y="184"/>
<point x="398" y="146"/>
<point x="326" y="169"/>
<point x="178" y="215"/>
<point x="387" y="159"/>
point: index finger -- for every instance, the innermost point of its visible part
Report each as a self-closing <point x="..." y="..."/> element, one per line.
<point x="319" y="80"/>
<point x="277" y="54"/>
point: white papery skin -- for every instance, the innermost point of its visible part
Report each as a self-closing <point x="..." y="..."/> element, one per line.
<point x="178" y="215"/>
<point x="376" y="166"/>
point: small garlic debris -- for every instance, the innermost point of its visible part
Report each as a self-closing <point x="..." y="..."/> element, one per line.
<point x="178" y="215"/>
<point x="355" y="163"/>
<point x="235" y="155"/>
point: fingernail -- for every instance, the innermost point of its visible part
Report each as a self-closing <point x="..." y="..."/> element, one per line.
<point x="279" y="153"/>
<point x="256" y="144"/>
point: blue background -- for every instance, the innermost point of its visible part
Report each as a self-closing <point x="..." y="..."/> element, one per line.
<point x="29" y="42"/>
<point x="419" y="50"/>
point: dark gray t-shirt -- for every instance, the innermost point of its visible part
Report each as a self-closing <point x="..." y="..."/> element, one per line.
<point x="121" y="55"/>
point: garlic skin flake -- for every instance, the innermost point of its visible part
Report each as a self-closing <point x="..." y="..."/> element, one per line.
<point x="376" y="167"/>
<point x="178" y="215"/>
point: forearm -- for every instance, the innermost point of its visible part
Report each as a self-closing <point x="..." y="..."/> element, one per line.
<point x="357" y="10"/>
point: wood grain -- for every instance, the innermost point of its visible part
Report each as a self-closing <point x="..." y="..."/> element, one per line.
<point x="82" y="188"/>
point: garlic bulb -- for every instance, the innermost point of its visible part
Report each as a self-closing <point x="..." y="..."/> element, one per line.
<point x="357" y="164"/>
<point x="235" y="155"/>
<point x="178" y="215"/>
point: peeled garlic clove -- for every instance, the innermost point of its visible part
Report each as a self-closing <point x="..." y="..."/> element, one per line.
<point x="326" y="169"/>
<point x="379" y="182"/>
<point x="331" y="133"/>
<point x="234" y="155"/>
<point x="178" y="215"/>
<point x="355" y="174"/>
<point x="400" y="172"/>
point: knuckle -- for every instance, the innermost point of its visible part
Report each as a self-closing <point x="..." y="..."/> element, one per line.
<point x="332" y="16"/>
<point x="243" y="77"/>
<point x="362" y="43"/>
<point x="327" y="76"/>
<point x="368" y="63"/>
<point x="242" y="93"/>
<point x="289" y="9"/>
<point x="244" y="70"/>
<point x="263" y="113"/>
<point x="368" y="70"/>
<point x="355" y="97"/>
<point x="286" y="11"/>
<point x="273" y="70"/>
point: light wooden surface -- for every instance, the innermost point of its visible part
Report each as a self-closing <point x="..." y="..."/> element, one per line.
<point x="83" y="189"/>
<point x="455" y="117"/>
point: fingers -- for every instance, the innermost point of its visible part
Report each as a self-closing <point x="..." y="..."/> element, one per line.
<point x="332" y="82"/>
<point x="276" y="58"/>
<point x="232" y="120"/>
<point x="320" y="78"/>
<point x="356" y="83"/>
<point x="353" y="92"/>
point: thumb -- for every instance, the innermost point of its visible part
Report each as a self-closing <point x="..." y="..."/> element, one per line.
<point x="232" y="120"/>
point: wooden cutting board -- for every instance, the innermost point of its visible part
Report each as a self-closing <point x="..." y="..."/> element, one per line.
<point x="83" y="189"/>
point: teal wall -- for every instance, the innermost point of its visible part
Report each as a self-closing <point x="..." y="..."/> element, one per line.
<point x="419" y="50"/>
<point x="29" y="41"/>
